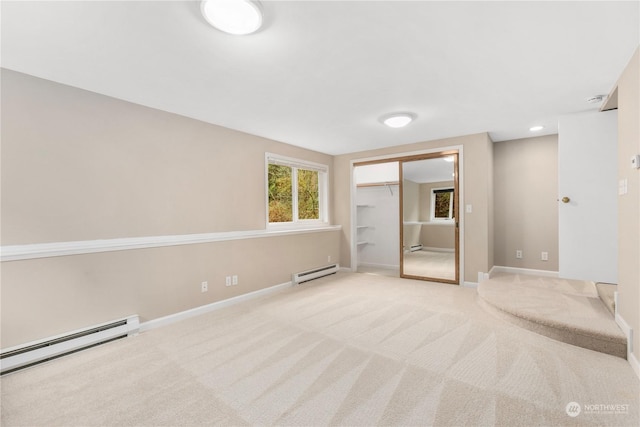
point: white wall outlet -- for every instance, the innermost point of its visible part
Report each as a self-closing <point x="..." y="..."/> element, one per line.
<point x="635" y="161"/>
<point x="227" y="281"/>
<point x="623" y="187"/>
<point x="204" y="287"/>
<point x="468" y="209"/>
<point x="544" y="256"/>
<point x="235" y="279"/>
<point x="519" y="254"/>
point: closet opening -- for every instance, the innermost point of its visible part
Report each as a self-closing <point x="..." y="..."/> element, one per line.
<point x="377" y="196"/>
<point x="405" y="216"/>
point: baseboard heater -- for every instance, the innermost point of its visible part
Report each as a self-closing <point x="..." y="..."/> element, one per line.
<point x="26" y="355"/>
<point x="414" y="248"/>
<point x="316" y="273"/>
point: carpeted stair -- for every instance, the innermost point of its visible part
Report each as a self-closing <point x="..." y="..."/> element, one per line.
<point x="571" y="311"/>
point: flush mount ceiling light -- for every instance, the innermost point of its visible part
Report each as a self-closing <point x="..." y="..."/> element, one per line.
<point x="398" y="120"/>
<point x="236" y="17"/>
<point x="536" y="128"/>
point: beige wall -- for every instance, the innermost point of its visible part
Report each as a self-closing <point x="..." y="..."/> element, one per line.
<point x="629" y="204"/>
<point x="81" y="166"/>
<point x="410" y="200"/>
<point x="478" y="177"/>
<point x="48" y="296"/>
<point x="434" y="235"/>
<point x="525" y="202"/>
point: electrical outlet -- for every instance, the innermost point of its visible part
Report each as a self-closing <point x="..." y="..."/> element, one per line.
<point x="227" y="281"/>
<point x="519" y="254"/>
<point x="204" y="287"/>
<point x="544" y="256"/>
<point x="235" y="279"/>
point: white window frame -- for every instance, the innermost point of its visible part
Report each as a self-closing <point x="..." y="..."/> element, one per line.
<point x="432" y="213"/>
<point x="295" y="164"/>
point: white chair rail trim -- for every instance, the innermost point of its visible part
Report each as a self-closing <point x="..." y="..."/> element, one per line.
<point x="47" y="250"/>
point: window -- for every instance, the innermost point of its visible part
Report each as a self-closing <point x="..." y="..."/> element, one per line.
<point x="442" y="204"/>
<point x="296" y="191"/>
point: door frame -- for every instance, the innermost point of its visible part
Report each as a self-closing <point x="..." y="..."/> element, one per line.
<point x="395" y="157"/>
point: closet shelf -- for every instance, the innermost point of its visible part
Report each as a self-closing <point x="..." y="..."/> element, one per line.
<point x="366" y="206"/>
<point x="364" y="226"/>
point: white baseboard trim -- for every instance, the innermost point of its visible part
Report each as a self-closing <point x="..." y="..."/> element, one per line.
<point x="515" y="270"/>
<point x="176" y="317"/>
<point x="374" y="265"/>
<point x="631" y="358"/>
<point x="469" y="284"/>
<point x="628" y="332"/>
<point x="46" y="250"/>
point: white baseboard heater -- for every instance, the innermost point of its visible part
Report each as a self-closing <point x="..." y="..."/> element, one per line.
<point x="414" y="248"/>
<point x="23" y="356"/>
<point x="316" y="273"/>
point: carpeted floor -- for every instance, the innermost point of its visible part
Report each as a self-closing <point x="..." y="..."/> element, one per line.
<point x="351" y="349"/>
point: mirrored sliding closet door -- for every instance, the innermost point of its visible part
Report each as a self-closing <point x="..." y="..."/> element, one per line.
<point x="429" y="230"/>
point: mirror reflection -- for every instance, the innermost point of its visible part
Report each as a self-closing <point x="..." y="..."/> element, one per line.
<point x="429" y="211"/>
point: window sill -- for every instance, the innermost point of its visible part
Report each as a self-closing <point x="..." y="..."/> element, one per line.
<point x="449" y="223"/>
<point x="300" y="228"/>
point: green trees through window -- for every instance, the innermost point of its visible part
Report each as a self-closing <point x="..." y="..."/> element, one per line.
<point x="294" y="193"/>
<point x="280" y="194"/>
<point x="308" y="195"/>
<point x="442" y="204"/>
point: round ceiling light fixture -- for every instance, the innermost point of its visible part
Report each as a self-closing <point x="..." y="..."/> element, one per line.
<point x="237" y="17"/>
<point x="398" y="120"/>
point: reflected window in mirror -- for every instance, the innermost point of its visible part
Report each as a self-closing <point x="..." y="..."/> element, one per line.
<point x="442" y="204"/>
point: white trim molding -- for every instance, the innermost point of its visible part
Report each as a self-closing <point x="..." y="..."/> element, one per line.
<point x="47" y="250"/>
<point x="176" y="317"/>
<point x="628" y="332"/>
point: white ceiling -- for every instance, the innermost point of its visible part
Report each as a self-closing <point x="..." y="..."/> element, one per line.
<point x="320" y="74"/>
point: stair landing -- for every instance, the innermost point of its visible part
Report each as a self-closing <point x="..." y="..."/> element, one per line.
<point x="570" y="311"/>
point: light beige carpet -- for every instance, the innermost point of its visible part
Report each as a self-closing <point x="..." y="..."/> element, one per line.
<point x="351" y="349"/>
<point x="567" y="310"/>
